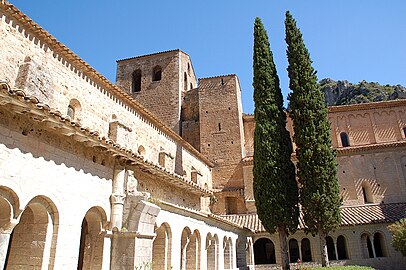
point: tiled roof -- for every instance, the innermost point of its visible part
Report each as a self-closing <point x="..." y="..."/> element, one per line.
<point x="372" y="214"/>
<point x="350" y="216"/>
<point x="29" y="105"/>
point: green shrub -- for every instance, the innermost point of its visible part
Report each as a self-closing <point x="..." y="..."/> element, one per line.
<point x="398" y="230"/>
<point x="349" y="267"/>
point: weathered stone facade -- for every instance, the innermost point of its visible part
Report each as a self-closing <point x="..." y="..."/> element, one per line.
<point x="156" y="170"/>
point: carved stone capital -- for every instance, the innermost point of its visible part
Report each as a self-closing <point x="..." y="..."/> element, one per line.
<point x="117" y="198"/>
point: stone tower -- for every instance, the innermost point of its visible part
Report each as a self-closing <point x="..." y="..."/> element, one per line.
<point x="158" y="81"/>
<point x="222" y="139"/>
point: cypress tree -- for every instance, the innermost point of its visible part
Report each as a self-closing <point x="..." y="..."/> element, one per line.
<point x="316" y="160"/>
<point x="275" y="186"/>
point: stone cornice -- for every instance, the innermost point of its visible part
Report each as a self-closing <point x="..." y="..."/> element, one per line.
<point x="18" y="102"/>
<point x="82" y="67"/>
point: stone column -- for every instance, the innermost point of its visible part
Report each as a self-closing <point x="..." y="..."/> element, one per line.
<point x="117" y="198"/>
<point x="335" y="248"/>
<point x="106" y="251"/>
<point x="221" y="253"/>
<point x="5" y="233"/>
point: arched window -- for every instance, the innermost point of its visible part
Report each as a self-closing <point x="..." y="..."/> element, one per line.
<point x="342" y="248"/>
<point x="306" y="250"/>
<point x="344" y="139"/>
<point x="71" y="112"/>
<point x="379" y="245"/>
<point x="156" y="73"/>
<point x="136" y="81"/>
<point x="366" y="246"/>
<point x="330" y="249"/>
<point x="367" y="193"/>
<point x="185" y="81"/>
<point x="293" y="250"/>
<point x="74" y="110"/>
<point x="264" y="251"/>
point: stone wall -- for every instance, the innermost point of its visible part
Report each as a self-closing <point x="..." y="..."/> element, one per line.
<point x="221" y="129"/>
<point x="38" y="67"/>
<point x="55" y="182"/>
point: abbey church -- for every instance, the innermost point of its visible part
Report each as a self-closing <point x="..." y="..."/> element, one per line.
<point x="154" y="171"/>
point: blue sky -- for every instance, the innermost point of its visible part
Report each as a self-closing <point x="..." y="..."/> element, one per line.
<point x="350" y="40"/>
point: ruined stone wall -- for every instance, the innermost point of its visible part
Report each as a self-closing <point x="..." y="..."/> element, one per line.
<point x="30" y="62"/>
<point x="221" y="129"/>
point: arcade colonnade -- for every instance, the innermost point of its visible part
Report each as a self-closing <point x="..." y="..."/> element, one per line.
<point x="33" y="236"/>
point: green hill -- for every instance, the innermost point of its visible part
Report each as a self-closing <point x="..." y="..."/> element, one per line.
<point x="344" y="93"/>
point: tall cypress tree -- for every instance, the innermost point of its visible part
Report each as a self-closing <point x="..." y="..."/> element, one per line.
<point x="316" y="160"/>
<point x="275" y="186"/>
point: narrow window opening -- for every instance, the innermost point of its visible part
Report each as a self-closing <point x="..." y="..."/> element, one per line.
<point x="222" y="81"/>
<point x="366" y="193"/>
<point x="157" y="74"/>
<point x="344" y="139"/>
<point x="191" y="85"/>
<point x="231" y="205"/>
<point x="404" y="132"/>
<point x="219" y="126"/>
<point x="293" y="250"/>
<point x="71" y="112"/>
<point x="136" y="81"/>
<point x="161" y="159"/>
<point x="185" y="81"/>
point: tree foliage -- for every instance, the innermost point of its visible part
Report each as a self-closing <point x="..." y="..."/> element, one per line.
<point x="316" y="161"/>
<point x="398" y="230"/>
<point x="275" y="187"/>
<point x="317" y="167"/>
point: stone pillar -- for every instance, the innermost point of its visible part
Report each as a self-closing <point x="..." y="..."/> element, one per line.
<point x="233" y="255"/>
<point x="299" y="246"/>
<point x="5" y="233"/>
<point x="221" y="253"/>
<point x="335" y="248"/>
<point x="106" y="251"/>
<point x="117" y="198"/>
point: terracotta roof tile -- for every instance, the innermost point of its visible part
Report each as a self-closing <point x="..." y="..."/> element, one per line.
<point x="350" y="216"/>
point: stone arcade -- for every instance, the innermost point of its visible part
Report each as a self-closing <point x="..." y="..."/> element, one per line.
<point x="156" y="169"/>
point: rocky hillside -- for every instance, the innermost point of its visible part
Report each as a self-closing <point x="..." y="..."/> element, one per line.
<point x="343" y="92"/>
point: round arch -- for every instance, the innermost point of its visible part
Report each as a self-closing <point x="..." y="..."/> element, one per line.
<point x="162" y="247"/>
<point x="264" y="251"/>
<point x="92" y="239"/>
<point x="37" y="223"/>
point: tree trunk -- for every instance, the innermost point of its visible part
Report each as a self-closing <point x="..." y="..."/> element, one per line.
<point x="284" y="247"/>
<point x="323" y="249"/>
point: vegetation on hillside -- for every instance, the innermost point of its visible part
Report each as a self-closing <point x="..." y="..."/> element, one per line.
<point x="345" y="93"/>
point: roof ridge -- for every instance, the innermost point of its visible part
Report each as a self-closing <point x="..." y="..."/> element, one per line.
<point x="151" y="54"/>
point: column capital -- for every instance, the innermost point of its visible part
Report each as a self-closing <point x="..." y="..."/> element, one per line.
<point x="117" y="198"/>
